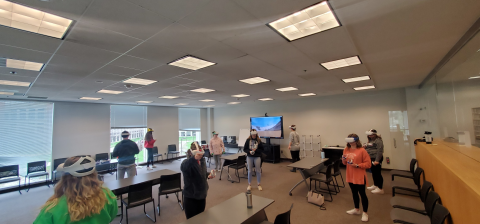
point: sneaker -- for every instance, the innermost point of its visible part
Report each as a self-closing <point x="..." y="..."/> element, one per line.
<point x="153" y="166"/>
<point x="378" y="191"/>
<point x="149" y="168"/>
<point x="364" y="217"/>
<point x="249" y="188"/>
<point x="354" y="212"/>
<point x="371" y="188"/>
<point x="260" y="188"/>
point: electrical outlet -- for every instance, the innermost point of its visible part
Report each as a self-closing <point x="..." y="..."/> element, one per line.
<point x="388" y="160"/>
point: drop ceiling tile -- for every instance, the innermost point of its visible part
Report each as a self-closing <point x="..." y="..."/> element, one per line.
<point x="71" y="66"/>
<point x="18" y="72"/>
<point x="151" y="50"/>
<point x="258" y="39"/>
<point x="180" y="38"/>
<point x="198" y="76"/>
<point x="173" y="9"/>
<point x="23" y="54"/>
<point x="117" y="70"/>
<point x="101" y="76"/>
<point x="27" y="40"/>
<point x="135" y="63"/>
<point x="15" y="78"/>
<point x="163" y="72"/>
<point x="218" y="53"/>
<point x="86" y="53"/>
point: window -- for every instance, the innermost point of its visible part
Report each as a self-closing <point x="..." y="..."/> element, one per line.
<point x="136" y="135"/>
<point x="399" y="122"/>
<point x="26" y="130"/>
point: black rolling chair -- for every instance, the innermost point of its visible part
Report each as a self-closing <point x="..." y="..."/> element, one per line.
<point x="170" y="184"/>
<point x="404" y="216"/>
<point x="139" y="194"/>
<point x="155" y="153"/>
<point x="209" y="156"/>
<point x="283" y="218"/>
<point x="36" y="169"/>
<point x="56" y="162"/>
<point x="101" y="156"/>
<point x="172" y="150"/>
<point x="336" y="172"/>
<point x="411" y="187"/>
<point x="411" y="204"/>
<point x="324" y="178"/>
<point x="10" y="174"/>
<point x="405" y="174"/>
<point x="103" y="169"/>
<point x="240" y="164"/>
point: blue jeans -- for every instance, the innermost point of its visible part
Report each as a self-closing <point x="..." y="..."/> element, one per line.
<point x="150" y="156"/>
<point x="251" y="162"/>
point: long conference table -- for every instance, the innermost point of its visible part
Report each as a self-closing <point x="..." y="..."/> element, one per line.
<point x="233" y="211"/>
<point x="306" y="164"/>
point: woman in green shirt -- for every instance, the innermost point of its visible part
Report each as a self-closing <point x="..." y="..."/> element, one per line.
<point x="79" y="196"/>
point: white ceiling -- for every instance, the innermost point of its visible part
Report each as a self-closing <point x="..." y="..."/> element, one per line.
<point x="399" y="43"/>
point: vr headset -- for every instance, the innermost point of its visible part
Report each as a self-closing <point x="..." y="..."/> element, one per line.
<point x="371" y="132"/>
<point x="253" y="132"/>
<point x="351" y="139"/>
<point x="77" y="169"/>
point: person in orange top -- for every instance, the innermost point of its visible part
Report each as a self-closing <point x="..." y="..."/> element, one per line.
<point x="357" y="160"/>
<point x="149" y="141"/>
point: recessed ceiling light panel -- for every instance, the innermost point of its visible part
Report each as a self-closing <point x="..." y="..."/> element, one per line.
<point x="190" y="62"/>
<point x="364" y="87"/>
<point x="139" y="81"/>
<point x="254" y="80"/>
<point x="144" y="101"/>
<point x="234" y="103"/>
<point x="19" y="64"/>
<point x="312" y="20"/>
<point x="307" y="94"/>
<point x="474" y="77"/>
<point x="109" y="91"/>
<point x="355" y="60"/>
<point x="265" y="99"/>
<point x="32" y="20"/>
<point x="90" y="98"/>
<point x="168" y="97"/>
<point x="287" y="89"/>
<point x="356" y="79"/>
<point x="240" y="95"/>
<point x="202" y="90"/>
<point x="210" y="106"/>
<point x="14" y="83"/>
<point x="181" y="104"/>
<point x="207" y="100"/>
<point x="7" y="93"/>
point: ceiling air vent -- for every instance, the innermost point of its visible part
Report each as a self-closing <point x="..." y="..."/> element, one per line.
<point x="37" y="97"/>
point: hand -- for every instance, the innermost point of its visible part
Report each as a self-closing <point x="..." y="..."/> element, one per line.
<point x="376" y="163"/>
<point x="289" y="147"/>
<point x="353" y="164"/>
<point x="210" y="177"/>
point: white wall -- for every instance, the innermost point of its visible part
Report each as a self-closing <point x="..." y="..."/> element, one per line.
<point x="164" y="120"/>
<point x="332" y="117"/>
<point x="80" y="129"/>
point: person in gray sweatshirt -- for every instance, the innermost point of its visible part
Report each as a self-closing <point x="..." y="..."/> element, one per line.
<point x="374" y="148"/>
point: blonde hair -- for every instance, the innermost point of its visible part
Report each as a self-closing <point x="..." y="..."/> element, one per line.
<point x="358" y="143"/>
<point x="85" y="196"/>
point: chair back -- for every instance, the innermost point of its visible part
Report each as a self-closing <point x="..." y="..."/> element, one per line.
<point x="241" y="160"/>
<point x="310" y="172"/>
<point x="413" y="162"/>
<point x="431" y="201"/>
<point x="283" y="218"/>
<point x="207" y="153"/>
<point x="426" y="187"/>
<point x="204" y="142"/>
<point x="101" y="156"/>
<point x="9" y="171"/>
<point x="139" y="192"/>
<point x="170" y="182"/>
<point x="103" y="168"/>
<point x="439" y="214"/>
<point x="172" y="148"/>
<point x="155" y="150"/>
<point x="57" y="162"/>
<point x="417" y="176"/>
<point x="328" y="173"/>
<point x="38" y="166"/>
<point x="336" y="167"/>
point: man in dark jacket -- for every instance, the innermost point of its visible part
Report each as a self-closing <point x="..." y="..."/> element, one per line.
<point x="126" y="151"/>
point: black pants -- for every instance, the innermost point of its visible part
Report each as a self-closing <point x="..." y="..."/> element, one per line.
<point x="359" y="189"/>
<point x="149" y="156"/>
<point x="193" y="207"/>
<point x="295" y="156"/>
<point x="377" y="174"/>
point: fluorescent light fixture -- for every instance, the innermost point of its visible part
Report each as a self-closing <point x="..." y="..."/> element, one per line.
<point x="234" y="103"/>
<point x="202" y="90"/>
<point x="207" y="100"/>
<point x="356" y="79"/>
<point x="240" y="95"/>
<point x="14" y="83"/>
<point x="181" y="104"/>
<point x="6" y="93"/>
<point x="210" y="106"/>
<point x="265" y="99"/>
<point x="139" y="81"/>
<point x="254" y="80"/>
<point x="109" y="91"/>
<point x="287" y="89"/>
<point x="474" y="77"/>
<point x="307" y="94"/>
<point x="364" y="87"/>
<point x="312" y="20"/>
<point x="144" y="101"/>
<point x="168" y="97"/>
<point x="190" y="62"/>
<point x="19" y="64"/>
<point x="90" y="98"/>
<point x="32" y="20"/>
<point x="341" y="63"/>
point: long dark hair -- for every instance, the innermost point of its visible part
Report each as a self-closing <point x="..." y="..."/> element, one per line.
<point x="149" y="136"/>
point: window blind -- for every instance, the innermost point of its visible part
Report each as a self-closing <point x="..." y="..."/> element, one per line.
<point x="189" y="118"/>
<point x="122" y="116"/>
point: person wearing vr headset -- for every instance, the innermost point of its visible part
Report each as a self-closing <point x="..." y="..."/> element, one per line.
<point x="294" y="145"/>
<point x="217" y="148"/>
<point x="195" y="175"/>
<point x="126" y="151"/>
<point x="79" y="196"/>
<point x="149" y="141"/>
<point x="357" y="160"/>
<point x="254" y="148"/>
<point x="374" y="148"/>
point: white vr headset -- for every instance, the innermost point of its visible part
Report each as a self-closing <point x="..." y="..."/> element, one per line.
<point x="294" y="128"/>
<point x="370" y="132"/>
<point x="351" y="140"/>
<point x="253" y="132"/>
<point x="77" y="166"/>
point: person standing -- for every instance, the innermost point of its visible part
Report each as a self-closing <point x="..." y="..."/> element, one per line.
<point x="217" y="148"/>
<point x="194" y="169"/>
<point x="126" y="151"/>
<point x="294" y="146"/>
<point x="79" y="196"/>
<point x="357" y="160"/>
<point x="254" y="148"/>
<point x="374" y="148"/>
<point x="149" y="141"/>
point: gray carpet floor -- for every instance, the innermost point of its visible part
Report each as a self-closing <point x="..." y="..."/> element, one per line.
<point x="276" y="182"/>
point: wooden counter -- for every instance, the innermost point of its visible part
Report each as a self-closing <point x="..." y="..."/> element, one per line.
<point x="455" y="174"/>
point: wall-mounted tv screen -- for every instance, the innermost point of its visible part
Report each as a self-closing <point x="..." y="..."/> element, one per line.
<point x="268" y="127"/>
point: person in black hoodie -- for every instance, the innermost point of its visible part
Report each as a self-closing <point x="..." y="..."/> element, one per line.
<point x="254" y="148"/>
<point x="195" y="176"/>
<point x="126" y="151"/>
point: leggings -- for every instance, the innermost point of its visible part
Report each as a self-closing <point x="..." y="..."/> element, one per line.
<point x="194" y="207"/>
<point x="359" y="189"/>
<point x="150" y="156"/>
<point x="218" y="161"/>
<point x="377" y="174"/>
<point x="251" y="162"/>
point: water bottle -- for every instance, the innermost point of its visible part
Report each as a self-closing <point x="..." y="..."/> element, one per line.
<point x="323" y="155"/>
<point x="249" y="199"/>
<point x="428" y="137"/>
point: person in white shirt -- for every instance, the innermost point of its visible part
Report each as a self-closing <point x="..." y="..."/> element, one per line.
<point x="217" y="148"/>
<point x="294" y="145"/>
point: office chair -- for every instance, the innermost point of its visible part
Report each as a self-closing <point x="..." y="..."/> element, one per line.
<point x="170" y="184"/>
<point x="36" y="169"/>
<point x="410" y="204"/>
<point x="405" y="174"/>
<point x="139" y="194"/>
<point x="10" y="174"/>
